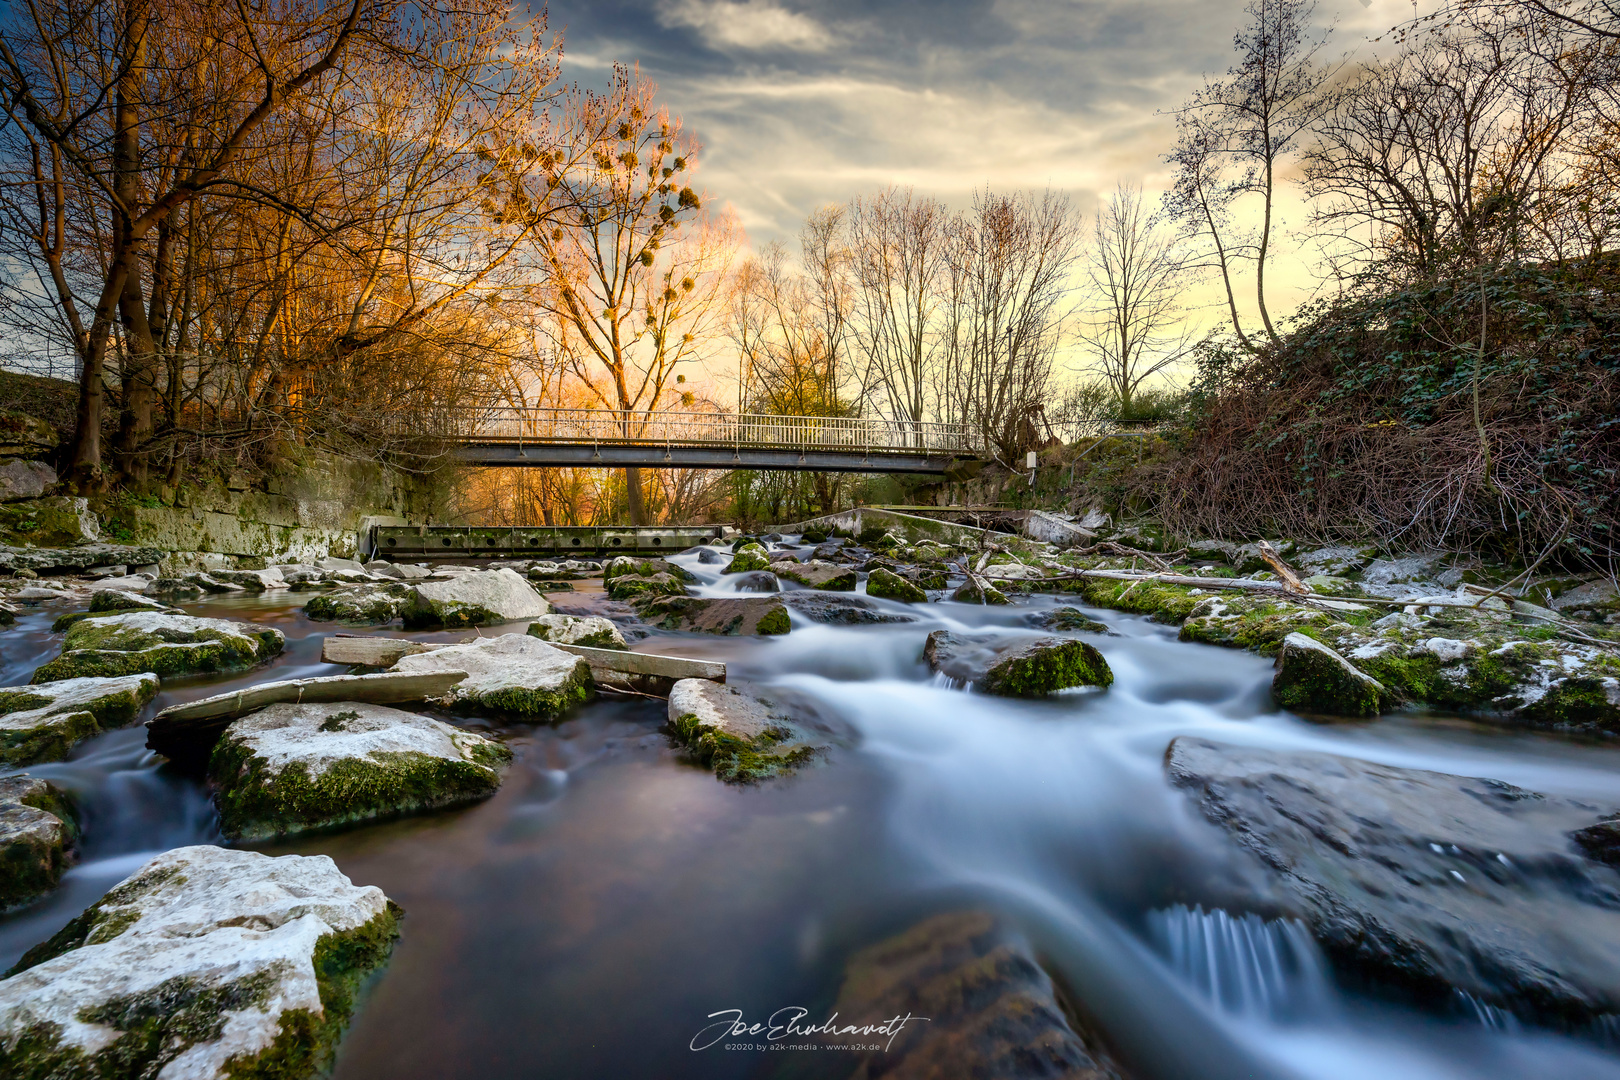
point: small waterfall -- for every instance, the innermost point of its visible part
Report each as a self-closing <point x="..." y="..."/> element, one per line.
<point x="1245" y="965"/>
<point x="946" y="682"/>
<point x="1490" y="1017"/>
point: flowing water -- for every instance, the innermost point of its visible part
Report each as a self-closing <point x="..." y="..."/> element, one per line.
<point x="588" y="919"/>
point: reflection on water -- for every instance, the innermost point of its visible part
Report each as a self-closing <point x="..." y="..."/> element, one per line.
<point x="586" y="920"/>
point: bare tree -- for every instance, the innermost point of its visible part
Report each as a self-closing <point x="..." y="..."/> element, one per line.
<point x="1135" y="328"/>
<point x="899" y="243"/>
<point x="1236" y="132"/>
<point x="1011" y="261"/>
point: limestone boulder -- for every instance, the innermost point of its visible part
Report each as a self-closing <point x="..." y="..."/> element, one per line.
<point x="105" y="602"/>
<point x="1429" y="882"/>
<point x="888" y="585"/>
<point x="748" y="558"/>
<point x="38" y="832"/>
<point x="512" y="673"/>
<point x="816" y="574"/>
<point x="745" y="733"/>
<point x="398" y="571"/>
<point x="632" y="566"/>
<point x="1016" y="667"/>
<point x="205" y="963"/>
<point x="477" y="598"/>
<point x="22" y="479"/>
<point x="367" y="604"/>
<point x="26" y="436"/>
<point x="293" y="768"/>
<point x="591" y="631"/>
<point x="745" y="615"/>
<point x="1312" y="678"/>
<point x="164" y="644"/>
<point x="45" y="721"/>
<point x="13" y="559"/>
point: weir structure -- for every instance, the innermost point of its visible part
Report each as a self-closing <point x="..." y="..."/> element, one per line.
<point x="509" y="437"/>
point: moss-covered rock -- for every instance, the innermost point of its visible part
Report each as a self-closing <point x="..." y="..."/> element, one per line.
<point x="1018" y="667"/>
<point x="288" y="769"/>
<point x="1312" y="678"/>
<point x="54" y="521"/>
<point x="630" y="587"/>
<point x="1071" y="619"/>
<point x="744" y="733"/>
<point x="512" y="673"/>
<point x="44" y="722"/>
<point x="817" y="575"/>
<point x="365" y="604"/>
<point x="887" y="585"/>
<point x="38" y="831"/>
<point x="745" y="616"/>
<point x="1158" y="601"/>
<point x="969" y="593"/>
<point x="632" y="566"/>
<point x="592" y="631"/>
<point x="205" y="963"/>
<point x="479" y="598"/>
<point x="749" y="558"/>
<point x="1249" y="622"/>
<point x="161" y="643"/>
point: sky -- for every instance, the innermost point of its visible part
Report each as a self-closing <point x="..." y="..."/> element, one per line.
<point x="798" y="103"/>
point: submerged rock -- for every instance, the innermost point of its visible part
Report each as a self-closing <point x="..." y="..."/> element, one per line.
<point x="840" y="609"/>
<point x="816" y="574"/>
<point x="1435" y="882"/>
<point x="992" y="1011"/>
<point x="717" y="615"/>
<point x="1072" y="619"/>
<point x="756" y="581"/>
<point x="380" y="603"/>
<point x="743" y="732"/>
<point x="591" y="631"/>
<point x="476" y="598"/>
<point x="38" y="830"/>
<point x="512" y="673"/>
<point x="45" y="721"/>
<point x="289" y="768"/>
<point x="1312" y="678"/>
<point x="161" y="643"/>
<point x="1017" y="667"/>
<point x="205" y="963"/>
<point x="888" y="585"/>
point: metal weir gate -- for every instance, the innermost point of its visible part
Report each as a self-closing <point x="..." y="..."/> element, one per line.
<point x="608" y="438"/>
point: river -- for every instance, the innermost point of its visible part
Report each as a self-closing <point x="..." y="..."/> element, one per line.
<point x="587" y="920"/>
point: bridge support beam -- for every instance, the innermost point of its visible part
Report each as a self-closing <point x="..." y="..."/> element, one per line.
<point x="675" y="456"/>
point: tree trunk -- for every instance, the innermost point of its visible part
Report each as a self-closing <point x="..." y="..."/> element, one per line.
<point x="632" y="487"/>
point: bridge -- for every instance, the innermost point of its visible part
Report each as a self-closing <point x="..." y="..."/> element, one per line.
<point x="608" y="438"/>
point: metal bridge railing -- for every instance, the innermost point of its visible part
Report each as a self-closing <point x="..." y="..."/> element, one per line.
<point x="537" y="425"/>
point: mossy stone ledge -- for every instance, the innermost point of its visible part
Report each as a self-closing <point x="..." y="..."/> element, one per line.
<point x="44" y="722"/>
<point x="38" y="833"/>
<point x="164" y="644"/>
<point x="205" y="963"/>
<point x="816" y="574"/>
<point x="752" y="557"/>
<point x="631" y="586"/>
<point x="367" y="604"/>
<point x="289" y="769"/>
<point x="511" y="673"/>
<point x="744" y="733"/>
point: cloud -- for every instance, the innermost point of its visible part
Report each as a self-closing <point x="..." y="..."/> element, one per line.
<point x="753" y="25"/>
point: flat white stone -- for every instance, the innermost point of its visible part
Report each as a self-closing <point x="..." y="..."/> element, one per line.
<point x="575" y="629"/>
<point x="208" y="915"/>
<point x="68" y="696"/>
<point x="503" y="592"/>
<point x="504" y="662"/>
<point x="285" y="733"/>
